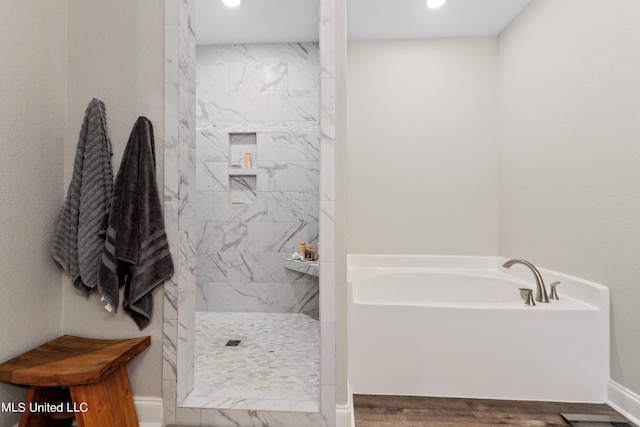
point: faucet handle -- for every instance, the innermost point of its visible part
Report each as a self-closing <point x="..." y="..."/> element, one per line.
<point x="527" y="295"/>
<point x="553" y="294"/>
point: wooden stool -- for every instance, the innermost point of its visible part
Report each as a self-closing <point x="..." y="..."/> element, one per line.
<point x="76" y="377"/>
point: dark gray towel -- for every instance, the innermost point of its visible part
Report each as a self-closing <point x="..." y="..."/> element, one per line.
<point x="136" y="252"/>
<point x="79" y="235"/>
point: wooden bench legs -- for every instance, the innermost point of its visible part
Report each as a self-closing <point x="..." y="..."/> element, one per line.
<point x="38" y="396"/>
<point x="107" y="403"/>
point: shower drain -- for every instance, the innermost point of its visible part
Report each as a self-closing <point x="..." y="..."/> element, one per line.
<point x="232" y="343"/>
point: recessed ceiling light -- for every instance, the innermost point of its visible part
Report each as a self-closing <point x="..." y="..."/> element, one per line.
<point x="434" y="4"/>
<point x="232" y="3"/>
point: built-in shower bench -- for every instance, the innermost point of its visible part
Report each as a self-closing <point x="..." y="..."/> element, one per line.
<point x="73" y="377"/>
<point x="311" y="268"/>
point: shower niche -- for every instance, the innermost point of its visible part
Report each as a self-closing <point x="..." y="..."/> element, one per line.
<point x="242" y="168"/>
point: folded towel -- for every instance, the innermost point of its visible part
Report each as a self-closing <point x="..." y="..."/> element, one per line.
<point x="136" y="252"/>
<point x="79" y="235"/>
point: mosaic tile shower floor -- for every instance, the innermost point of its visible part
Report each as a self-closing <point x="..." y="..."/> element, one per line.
<point x="276" y="365"/>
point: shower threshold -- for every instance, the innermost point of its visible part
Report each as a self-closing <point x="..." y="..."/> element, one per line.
<point x="256" y="361"/>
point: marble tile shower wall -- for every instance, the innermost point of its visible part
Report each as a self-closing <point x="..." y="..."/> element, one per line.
<point x="272" y="91"/>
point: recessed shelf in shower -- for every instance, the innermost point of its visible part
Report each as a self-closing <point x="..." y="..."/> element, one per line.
<point x="242" y="168"/>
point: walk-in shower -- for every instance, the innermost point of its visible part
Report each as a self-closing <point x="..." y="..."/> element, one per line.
<point x="257" y="189"/>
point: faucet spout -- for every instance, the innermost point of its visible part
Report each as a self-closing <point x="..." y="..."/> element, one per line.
<point x="541" y="290"/>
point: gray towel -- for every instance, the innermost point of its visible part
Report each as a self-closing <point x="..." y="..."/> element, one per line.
<point x="79" y="234"/>
<point x="136" y="252"/>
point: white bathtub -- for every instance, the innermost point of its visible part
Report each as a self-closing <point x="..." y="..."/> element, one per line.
<point x="456" y="327"/>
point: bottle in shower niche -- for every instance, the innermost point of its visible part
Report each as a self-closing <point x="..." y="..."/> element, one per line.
<point x="302" y="250"/>
<point x="248" y="161"/>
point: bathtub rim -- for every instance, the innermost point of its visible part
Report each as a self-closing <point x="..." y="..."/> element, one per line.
<point x="580" y="289"/>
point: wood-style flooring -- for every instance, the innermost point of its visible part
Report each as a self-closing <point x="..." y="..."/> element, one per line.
<point x="401" y="411"/>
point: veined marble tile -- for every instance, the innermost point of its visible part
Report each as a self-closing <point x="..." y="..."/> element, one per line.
<point x="262" y="52"/>
<point x="187" y="91"/>
<point x="221" y="209"/>
<point x="169" y="340"/>
<point x="280" y="236"/>
<point x="186" y="275"/>
<point x="328" y="113"/>
<point x="303" y="177"/>
<point x="327" y="354"/>
<point x="293" y="106"/>
<point x="272" y="176"/>
<point x="186" y="215"/>
<point x="191" y="174"/>
<point x="242" y="189"/>
<point x="291" y="206"/>
<point x="203" y="202"/>
<point x="212" y="146"/>
<point x="269" y="206"/>
<point x="275" y="365"/>
<point x="259" y="267"/>
<point x="327" y="169"/>
<point x="296" y="277"/>
<point x="223" y="237"/>
<point x="170" y="299"/>
<point x="172" y="115"/>
<point x="237" y="418"/>
<point x="289" y="146"/>
<point x="304" y="75"/>
<point x="328" y="403"/>
<point x="258" y="77"/>
<point x="211" y="74"/>
<point x="229" y="53"/>
<point x="202" y="296"/>
<point x="231" y="267"/>
<point x="327" y="297"/>
<point x="232" y="106"/>
<point x="168" y="400"/>
<point x="305" y="51"/>
<point x="328" y="230"/>
<point x="328" y="39"/>
<point x="212" y="176"/>
<point x="245" y="244"/>
<point x="236" y="296"/>
<point x="188" y="416"/>
<point x="293" y="298"/>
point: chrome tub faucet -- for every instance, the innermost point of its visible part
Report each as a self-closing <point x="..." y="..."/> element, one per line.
<point x="541" y="290"/>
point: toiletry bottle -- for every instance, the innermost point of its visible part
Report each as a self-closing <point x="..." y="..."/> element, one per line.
<point x="311" y="255"/>
<point x="248" y="164"/>
<point x="302" y="250"/>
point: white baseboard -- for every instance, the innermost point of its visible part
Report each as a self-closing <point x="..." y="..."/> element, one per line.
<point x="624" y="401"/>
<point x="149" y="410"/>
<point x="344" y="413"/>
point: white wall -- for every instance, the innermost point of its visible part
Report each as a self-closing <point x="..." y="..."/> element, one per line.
<point x="570" y="153"/>
<point x="32" y="84"/>
<point x="422" y="173"/>
<point x="116" y="54"/>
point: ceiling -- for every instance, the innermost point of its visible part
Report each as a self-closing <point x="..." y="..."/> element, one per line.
<point x="281" y="21"/>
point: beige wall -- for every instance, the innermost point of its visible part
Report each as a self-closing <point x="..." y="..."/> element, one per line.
<point x="570" y="153"/>
<point x="116" y="54"/>
<point x="422" y="173"/>
<point x="32" y="84"/>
